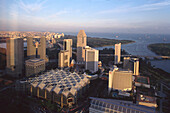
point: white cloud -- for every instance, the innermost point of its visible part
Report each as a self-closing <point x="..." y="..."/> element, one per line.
<point x="145" y="7"/>
<point x="31" y="7"/>
<point x="59" y="13"/>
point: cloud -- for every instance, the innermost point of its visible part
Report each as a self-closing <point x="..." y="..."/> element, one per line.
<point x="31" y="7"/>
<point x="145" y="7"/>
<point x="59" y="13"/>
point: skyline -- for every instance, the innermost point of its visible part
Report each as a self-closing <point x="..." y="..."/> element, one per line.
<point x="107" y="16"/>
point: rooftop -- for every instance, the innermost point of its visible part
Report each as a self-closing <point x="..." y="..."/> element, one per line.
<point x="142" y="79"/>
<point x="35" y="60"/>
<point x="60" y="81"/>
<point x="120" y="105"/>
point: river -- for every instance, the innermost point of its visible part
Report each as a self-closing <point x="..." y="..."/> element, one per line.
<point x="140" y="45"/>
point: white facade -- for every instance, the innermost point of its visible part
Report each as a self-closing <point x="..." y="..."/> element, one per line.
<point x="67" y="45"/>
<point x="64" y="59"/>
<point x="117" y="53"/>
<point x="120" y="80"/>
<point x="92" y="58"/>
<point x="81" y="43"/>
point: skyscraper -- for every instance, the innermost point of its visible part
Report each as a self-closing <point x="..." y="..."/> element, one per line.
<point x="135" y="66"/>
<point x="117" y="53"/>
<point x="31" y="50"/>
<point x="92" y="58"/>
<point x="81" y="43"/>
<point x="15" y="56"/>
<point x="131" y="64"/>
<point x="67" y="45"/>
<point x="64" y="59"/>
<point x="36" y="47"/>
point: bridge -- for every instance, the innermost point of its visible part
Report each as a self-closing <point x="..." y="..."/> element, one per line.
<point x="158" y="57"/>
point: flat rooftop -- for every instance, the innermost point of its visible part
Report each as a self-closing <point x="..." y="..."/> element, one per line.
<point x="142" y="79"/>
<point x="147" y="99"/>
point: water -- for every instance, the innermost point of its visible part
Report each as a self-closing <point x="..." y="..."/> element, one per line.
<point x="140" y="45"/>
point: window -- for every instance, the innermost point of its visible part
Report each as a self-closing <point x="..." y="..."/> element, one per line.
<point x="116" y="107"/>
<point x="97" y="103"/>
<point x="112" y="106"/>
<point x="120" y="108"/>
<point x="100" y="103"/>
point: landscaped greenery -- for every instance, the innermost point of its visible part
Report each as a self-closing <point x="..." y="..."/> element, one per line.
<point x="97" y="42"/>
<point x="160" y="48"/>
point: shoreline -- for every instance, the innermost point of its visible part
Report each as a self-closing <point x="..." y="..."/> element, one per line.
<point x="162" y="49"/>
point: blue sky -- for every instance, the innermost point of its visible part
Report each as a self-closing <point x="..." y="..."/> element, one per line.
<point x="121" y="16"/>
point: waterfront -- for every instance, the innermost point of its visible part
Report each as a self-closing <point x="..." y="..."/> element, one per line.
<point x="140" y="45"/>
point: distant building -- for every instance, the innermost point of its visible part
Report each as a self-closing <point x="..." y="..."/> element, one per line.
<point x="117" y="57"/>
<point x="81" y="43"/>
<point x="100" y="105"/>
<point x="15" y="56"/>
<point x="36" y="47"/>
<point x="120" y="80"/>
<point x="91" y="59"/>
<point x="34" y="66"/>
<point x="64" y="59"/>
<point x="67" y="45"/>
<point x="131" y="64"/>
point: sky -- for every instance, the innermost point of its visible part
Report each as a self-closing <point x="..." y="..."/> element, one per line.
<point x="104" y="16"/>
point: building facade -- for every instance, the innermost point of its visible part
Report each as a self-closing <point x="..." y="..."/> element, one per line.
<point x="120" y="80"/>
<point x="36" y="47"/>
<point x="15" y="56"/>
<point x="91" y="60"/>
<point x="131" y="64"/>
<point x="34" y="66"/>
<point x="63" y="88"/>
<point x="81" y="43"/>
<point x="64" y="59"/>
<point x="67" y="45"/>
<point x="117" y="57"/>
<point x="100" y="105"/>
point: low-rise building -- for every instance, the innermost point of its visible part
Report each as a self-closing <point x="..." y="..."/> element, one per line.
<point x="120" y="79"/>
<point x="146" y="100"/>
<point x="100" y="105"/>
<point x="34" y="66"/>
<point x="58" y="86"/>
<point x="141" y="81"/>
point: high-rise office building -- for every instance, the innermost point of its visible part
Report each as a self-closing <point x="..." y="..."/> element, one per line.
<point x="135" y="66"/>
<point x="15" y="56"/>
<point x="91" y="60"/>
<point x="67" y="45"/>
<point x="64" y="59"/>
<point x="31" y="50"/>
<point x="131" y="64"/>
<point x="120" y="79"/>
<point x="117" y="53"/>
<point x="36" y="47"/>
<point x="81" y="43"/>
